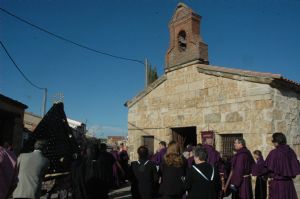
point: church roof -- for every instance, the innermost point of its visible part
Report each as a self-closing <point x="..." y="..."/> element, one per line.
<point x="274" y="80"/>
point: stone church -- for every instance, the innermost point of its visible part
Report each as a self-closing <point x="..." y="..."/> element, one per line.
<point x="193" y="99"/>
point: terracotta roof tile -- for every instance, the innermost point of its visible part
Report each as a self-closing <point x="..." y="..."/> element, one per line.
<point x="240" y="71"/>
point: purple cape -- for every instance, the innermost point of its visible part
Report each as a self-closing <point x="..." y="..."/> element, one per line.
<point x="283" y="161"/>
<point x="259" y="168"/>
<point x="213" y="155"/>
<point x="242" y="163"/>
<point x="282" y="165"/>
<point x="116" y="180"/>
<point x="159" y="156"/>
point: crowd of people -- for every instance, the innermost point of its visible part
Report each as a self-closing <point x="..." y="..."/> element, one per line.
<point x="197" y="172"/>
<point x="22" y="177"/>
<point x="98" y="171"/>
<point x="200" y="172"/>
<point x="92" y="174"/>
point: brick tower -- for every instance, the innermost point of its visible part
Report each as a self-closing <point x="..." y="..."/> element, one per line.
<point x="186" y="44"/>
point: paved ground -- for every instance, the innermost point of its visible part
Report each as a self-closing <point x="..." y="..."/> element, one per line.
<point x="124" y="193"/>
<point x="121" y="193"/>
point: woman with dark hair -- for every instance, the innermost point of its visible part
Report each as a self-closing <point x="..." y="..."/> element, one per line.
<point x="282" y="166"/>
<point x="173" y="172"/>
<point x="259" y="171"/>
<point x="143" y="175"/>
<point x="203" y="180"/>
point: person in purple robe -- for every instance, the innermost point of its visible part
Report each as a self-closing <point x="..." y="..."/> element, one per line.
<point x="117" y="169"/>
<point x="240" y="175"/>
<point x="190" y="159"/>
<point x="259" y="171"/>
<point x="282" y="166"/>
<point x="159" y="155"/>
<point x="214" y="157"/>
<point x="8" y="177"/>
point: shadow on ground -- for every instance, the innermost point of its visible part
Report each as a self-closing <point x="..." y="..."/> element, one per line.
<point x="121" y="195"/>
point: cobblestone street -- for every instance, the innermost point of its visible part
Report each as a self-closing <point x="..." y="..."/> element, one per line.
<point x="124" y="193"/>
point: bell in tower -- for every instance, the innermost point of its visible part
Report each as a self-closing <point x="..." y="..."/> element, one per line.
<point x="186" y="44"/>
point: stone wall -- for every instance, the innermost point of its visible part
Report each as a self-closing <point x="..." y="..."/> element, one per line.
<point x="31" y="121"/>
<point x="190" y="98"/>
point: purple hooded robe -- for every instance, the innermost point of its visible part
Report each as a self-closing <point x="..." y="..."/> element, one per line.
<point x="283" y="166"/>
<point x="159" y="156"/>
<point x="214" y="157"/>
<point x="7" y="172"/>
<point x="242" y="163"/>
<point x="116" y="173"/>
<point x="259" y="170"/>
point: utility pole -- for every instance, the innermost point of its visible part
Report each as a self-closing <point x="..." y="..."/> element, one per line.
<point x="44" y="102"/>
<point x="146" y="71"/>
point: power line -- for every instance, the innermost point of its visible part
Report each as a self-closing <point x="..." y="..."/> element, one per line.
<point x="68" y="40"/>
<point x="18" y="68"/>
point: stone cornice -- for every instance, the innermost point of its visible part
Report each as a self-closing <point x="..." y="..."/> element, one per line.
<point x="235" y="76"/>
<point x="274" y="80"/>
<point x="180" y="66"/>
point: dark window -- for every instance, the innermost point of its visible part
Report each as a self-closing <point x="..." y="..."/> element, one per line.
<point x="227" y="143"/>
<point x="182" y="41"/>
<point x="149" y="143"/>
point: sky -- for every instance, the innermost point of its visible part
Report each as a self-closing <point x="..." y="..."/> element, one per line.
<point x="254" y="35"/>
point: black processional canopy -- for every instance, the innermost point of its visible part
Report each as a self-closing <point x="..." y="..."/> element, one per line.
<point x="54" y="128"/>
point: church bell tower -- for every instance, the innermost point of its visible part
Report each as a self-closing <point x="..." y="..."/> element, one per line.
<point x="186" y="44"/>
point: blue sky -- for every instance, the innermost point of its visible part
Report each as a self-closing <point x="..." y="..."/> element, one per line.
<point x="250" y="34"/>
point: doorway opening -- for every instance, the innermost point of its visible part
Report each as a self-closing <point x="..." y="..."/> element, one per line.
<point x="185" y="136"/>
<point x="7" y="125"/>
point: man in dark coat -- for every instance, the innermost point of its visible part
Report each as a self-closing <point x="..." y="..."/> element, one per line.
<point x="242" y="162"/>
<point x="283" y="166"/>
<point x="106" y="161"/>
<point x="92" y="175"/>
<point x="143" y="176"/>
<point x="202" y="180"/>
<point x="31" y="170"/>
<point x="214" y="158"/>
